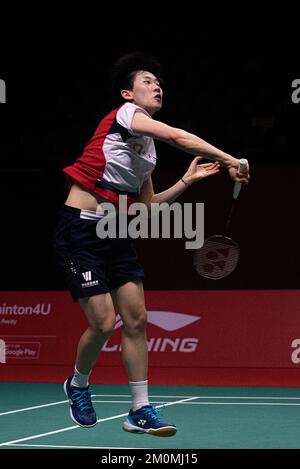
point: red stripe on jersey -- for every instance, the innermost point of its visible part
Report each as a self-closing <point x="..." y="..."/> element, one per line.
<point x="91" y="165"/>
<point x="113" y="197"/>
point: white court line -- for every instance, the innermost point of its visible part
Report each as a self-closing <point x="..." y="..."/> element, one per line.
<point x="250" y="397"/>
<point x="77" y="426"/>
<point x="150" y="396"/>
<point x="34" y="407"/>
<point x="129" y="395"/>
<point x="62" y="402"/>
<point x="202" y="397"/>
<point x="40" y="435"/>
<point x="204" y="403"/>
<point x="127" y="402"/>
<point x="240" y="403"/>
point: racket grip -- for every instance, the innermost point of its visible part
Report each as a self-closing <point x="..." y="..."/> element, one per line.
<point x="243" y="168"/>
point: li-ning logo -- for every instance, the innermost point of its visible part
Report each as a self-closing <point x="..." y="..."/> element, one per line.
<point x="168" y="321"/>
<point x="87" y="276"/>
<point x="2" y="91"/>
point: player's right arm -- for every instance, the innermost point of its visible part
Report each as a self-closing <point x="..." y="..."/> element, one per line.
<point x="187" y="142"/>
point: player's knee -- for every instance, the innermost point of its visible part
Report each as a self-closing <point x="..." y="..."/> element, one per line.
<point x="136" y="323"/>
<point x="104" y="327"/>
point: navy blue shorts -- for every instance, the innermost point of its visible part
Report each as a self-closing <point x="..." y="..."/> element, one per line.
<point x="91" y="265"/>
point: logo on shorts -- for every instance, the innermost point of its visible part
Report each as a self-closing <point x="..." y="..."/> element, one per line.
<point x="87" y="275"/>
<point x="89" y="282"/>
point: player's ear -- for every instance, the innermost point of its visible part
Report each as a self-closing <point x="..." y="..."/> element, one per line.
<point x="127" y="95"/>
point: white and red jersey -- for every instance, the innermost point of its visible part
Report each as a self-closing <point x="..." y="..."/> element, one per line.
<point x="116" y="160"/>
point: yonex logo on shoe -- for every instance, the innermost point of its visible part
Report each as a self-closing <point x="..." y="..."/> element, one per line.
<point x="142" y="422"/>
<point x="87" y="275"/>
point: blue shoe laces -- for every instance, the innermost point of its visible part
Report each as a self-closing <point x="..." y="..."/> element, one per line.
<point x="153" y="412"/>
<point x="83" y="400"/>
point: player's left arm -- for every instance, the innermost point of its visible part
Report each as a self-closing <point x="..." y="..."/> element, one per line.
<point x="194" y="173"/>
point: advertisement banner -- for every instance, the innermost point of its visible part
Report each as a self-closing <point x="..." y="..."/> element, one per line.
<point x="186" y="329"/>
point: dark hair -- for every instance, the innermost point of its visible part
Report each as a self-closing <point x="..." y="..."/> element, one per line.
<point x="125" y="68"/>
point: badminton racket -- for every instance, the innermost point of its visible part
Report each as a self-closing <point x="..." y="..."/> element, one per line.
<point x="219" y="255"/>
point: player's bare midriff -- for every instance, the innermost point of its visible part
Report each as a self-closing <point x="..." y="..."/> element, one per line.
<point x="80" y="197"/>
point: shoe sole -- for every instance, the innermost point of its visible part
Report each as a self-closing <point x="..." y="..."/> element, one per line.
<point x="71" y="414"/>
<point x="164" y="431"/>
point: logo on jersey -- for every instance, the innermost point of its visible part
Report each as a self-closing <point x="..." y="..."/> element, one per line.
<point x="137" y="147"/>
<point x="87" y="275"/>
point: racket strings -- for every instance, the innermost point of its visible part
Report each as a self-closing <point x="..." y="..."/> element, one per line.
<point x="217" y="258"/>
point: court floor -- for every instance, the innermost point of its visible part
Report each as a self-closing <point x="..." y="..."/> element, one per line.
<point x="36" y="416"/>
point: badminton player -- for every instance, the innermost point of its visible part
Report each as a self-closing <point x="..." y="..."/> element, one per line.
<point x="104" y="275"/>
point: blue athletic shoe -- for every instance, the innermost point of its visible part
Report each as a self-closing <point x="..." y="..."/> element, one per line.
<point x="148" y="420"/>
<point x="81" y="407"/>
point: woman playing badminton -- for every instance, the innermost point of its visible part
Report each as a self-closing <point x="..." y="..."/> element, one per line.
<point x="104" y="275"/>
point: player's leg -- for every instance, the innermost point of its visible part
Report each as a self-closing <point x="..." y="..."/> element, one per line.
<point x="82" y="257"/>
<point x="100" y="315"/>
<point x="130" y="304"/>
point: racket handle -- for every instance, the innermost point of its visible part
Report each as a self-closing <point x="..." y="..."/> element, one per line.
<point x="243" y="168"/>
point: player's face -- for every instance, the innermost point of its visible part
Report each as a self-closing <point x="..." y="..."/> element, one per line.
<point x="147" y="92"/>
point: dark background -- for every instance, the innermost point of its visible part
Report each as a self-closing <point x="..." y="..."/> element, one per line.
<point x="236" y="96"/>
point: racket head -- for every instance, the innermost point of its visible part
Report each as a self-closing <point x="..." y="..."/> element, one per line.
<point x="217" y="258"/>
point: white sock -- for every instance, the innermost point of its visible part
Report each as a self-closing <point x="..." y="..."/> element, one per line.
<point x="80" y="380"/>
<point x="139" y="393"/>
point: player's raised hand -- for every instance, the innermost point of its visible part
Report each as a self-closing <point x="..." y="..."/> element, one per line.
<point x="197" y="171"/>
<point x="239" y="174"/>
